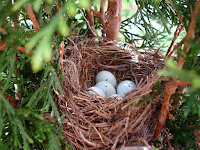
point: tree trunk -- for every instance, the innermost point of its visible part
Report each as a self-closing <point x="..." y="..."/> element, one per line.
<point x="113" y="19"/>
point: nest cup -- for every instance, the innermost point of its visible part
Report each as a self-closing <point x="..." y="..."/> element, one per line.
<point x="93" y="122"/>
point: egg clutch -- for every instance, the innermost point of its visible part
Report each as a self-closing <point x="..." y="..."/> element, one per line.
<point x="106" y="83"/>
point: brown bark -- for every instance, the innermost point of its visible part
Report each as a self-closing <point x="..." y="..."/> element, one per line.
<point x="110" y="21"/>
<point x="113" y="19"/>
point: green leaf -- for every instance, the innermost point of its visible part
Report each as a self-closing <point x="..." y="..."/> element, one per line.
<point x="34" y="40"/>
<point x="57" y="85"/>
<point x="62" y="27"/>
<point x="36" y="60"/>
<point x="9" y="109"/>
<point x="171" y="64"/>
<point x="54" y="143"/>
<point x="84" y="3"/>
<point x="45" y="47"/>
<point x="49" y="1"/>
<point x="24" y="133"/>
<point x="1" y="118"/>
<point x="19" y="4"/>
<point x="55" y="110"/>
<point x="188" y="106"/>
<point x="71" y="8"/>
<point x="37" y="4"/>
<point x="33" y="97"/>
<point x="196" y="83"/>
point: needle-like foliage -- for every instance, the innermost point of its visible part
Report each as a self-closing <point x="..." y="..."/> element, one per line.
<point x="31" y="32"/>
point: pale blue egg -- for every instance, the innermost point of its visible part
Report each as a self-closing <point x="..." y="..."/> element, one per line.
<point x="106" y="76"/>
<point x="125" y="86"/>
<point x="94" y="89"/>
<point x="107" y="87"/>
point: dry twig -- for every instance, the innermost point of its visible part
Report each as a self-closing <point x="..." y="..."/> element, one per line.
<point x="106" y="123"/>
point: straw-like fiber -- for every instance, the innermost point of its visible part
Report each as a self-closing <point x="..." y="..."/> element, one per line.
<point x="106" y="123"/>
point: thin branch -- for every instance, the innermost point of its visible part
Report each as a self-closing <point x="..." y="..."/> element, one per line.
<point x="178" y="46"/>
<point x="3" y="46"/>
<point x="91" y="28"/>
<point x="102" y="16"/>
<point x="190" y="35"/>
<point x="197" y="134"/>
<point x="19" y="48"/>
<point x="90" y="16"/>
<point x="33" y="18"/>
<point x="58" y="7"/>
<point x="23" y="50"/>
<point x="3" y="30"/>
<point x="171" y="116"/>
<point x="61" y="55"/>
<point x="179" y="29"/>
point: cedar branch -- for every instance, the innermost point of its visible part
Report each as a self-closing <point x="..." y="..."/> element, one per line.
<point x="171" y="86"/>
<point x="33" y="18"/>
<point x="19" y="48"/>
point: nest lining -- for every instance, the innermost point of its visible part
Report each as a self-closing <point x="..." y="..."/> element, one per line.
<point x="93" y="122"/>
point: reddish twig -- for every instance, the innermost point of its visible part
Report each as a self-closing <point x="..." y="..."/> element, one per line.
<point x="19" y="48"/>
<point x="178" y="31"/>
<point x="58" y="7"/>
<point x="190" y="35"/>
<point x="23" y="50"/>
<point x="61" y="55"/>
<point x="91" y="27"/>
<point x="178" y="46"/>
<point x="156" y="54"/>
<point x="170" y="89"/>
<point x="11" y="100"/>
<point x="102" y="16"/>
<point x="3" y="30"/>
<point x="33" y="18"/>
<point x="171" y="86"/>
<point x="90" y="16"/>
<point x="171" y="116"/>
<point x="197" y="134"/>
<point x="3" y="46"/>
<point x="102" y="9"/>
<point x="168" y="138"/>
<point x="174" y="107"/>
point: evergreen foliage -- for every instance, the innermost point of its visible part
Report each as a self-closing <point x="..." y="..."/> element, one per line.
<point x="35" y="77"/>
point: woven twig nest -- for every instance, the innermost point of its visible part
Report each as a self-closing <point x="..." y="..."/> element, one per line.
<point x="93" y="122"/>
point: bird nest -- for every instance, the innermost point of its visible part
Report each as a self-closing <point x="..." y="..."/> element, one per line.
<point x="94" y="122"/>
